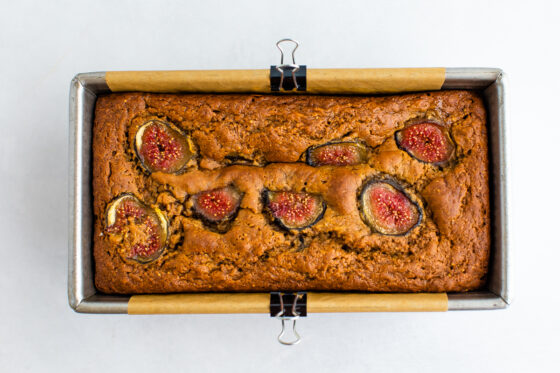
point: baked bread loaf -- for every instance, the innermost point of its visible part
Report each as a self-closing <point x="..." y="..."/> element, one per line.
<point x="239" y="192"/>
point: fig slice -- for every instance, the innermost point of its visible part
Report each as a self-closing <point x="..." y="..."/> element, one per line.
<point x="161" y="146"/>
<point x="217" y="205"/>
<point x="428" y="142"/>
<point x="139" y="230"/>
<point x="387" y="209"/>
<point x="294" y="210"/>
<point x="336" y="154"/>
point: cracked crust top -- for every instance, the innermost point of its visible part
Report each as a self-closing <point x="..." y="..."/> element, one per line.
<point x="259" y="142"/>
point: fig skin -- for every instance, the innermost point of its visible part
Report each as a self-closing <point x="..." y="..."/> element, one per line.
<point x="396" y="195"/>
<point x="341" y="154"/>
<point x="226" y="200"/>
<point x="426" y="141"/>
<point x="127" y="209"/>
<point x="172" y="151"/>
<point x="268" y="198"/>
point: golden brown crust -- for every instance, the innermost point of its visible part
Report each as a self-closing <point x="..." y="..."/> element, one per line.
<point x="447" y="251"/>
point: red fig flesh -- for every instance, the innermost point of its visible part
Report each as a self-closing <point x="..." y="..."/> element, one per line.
<point x="427" y="142"/>
<point x="140" y="231"/>
<point x="337" y="154"/>
<point x="388" y="210"/>
<point x="217" y="205"/>
<point x="295" y="210"/>
<point x="162" y="147"/>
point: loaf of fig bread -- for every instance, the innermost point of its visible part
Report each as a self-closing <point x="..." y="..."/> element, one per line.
<point x="241" y="192"/>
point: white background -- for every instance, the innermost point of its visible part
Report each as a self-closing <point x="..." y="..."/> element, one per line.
<point x="44" y="43"/>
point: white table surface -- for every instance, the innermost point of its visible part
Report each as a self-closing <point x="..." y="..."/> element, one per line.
<point x="44" y="43"/>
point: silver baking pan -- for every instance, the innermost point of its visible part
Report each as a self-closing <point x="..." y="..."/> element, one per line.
<point x="82" y="294"/>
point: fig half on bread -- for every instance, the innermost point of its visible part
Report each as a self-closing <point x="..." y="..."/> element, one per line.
<point x="294" y="210"/>
<point x="161" y="146"/>
<point x="344" y="153"/>
<point x="217" y="206"/>
<point x="387" y="209"/>
<point x="139" y="231"/>
<point x="426" y="141"/>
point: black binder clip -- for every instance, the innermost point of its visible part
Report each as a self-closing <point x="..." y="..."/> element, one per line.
<point x="288" y="307"/>
<point x="288" y="76"/>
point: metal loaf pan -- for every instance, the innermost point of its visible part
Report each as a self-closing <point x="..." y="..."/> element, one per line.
<point x="82" y="294"/>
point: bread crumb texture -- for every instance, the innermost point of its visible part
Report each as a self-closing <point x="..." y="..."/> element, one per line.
<point x="258" y="143"/>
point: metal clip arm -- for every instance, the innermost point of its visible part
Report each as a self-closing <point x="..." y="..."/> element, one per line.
<point x="289" y="314"/>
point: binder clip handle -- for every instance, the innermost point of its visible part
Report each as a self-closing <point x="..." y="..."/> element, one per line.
<point x="288" y="307"/>
<point x="294" y="331"/>
<point x="282" y="51"/>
